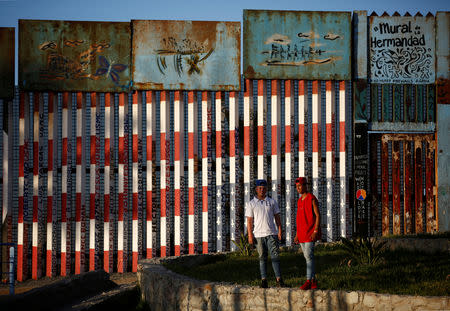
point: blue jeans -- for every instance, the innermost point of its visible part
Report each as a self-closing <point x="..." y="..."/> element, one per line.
<point x="308" y="252"/>
<point x="263" y="246"/>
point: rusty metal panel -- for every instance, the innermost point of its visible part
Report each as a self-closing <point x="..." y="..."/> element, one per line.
<point x="74" y="56"/>
<point x="396" y="187"/>
<point x="429" y="186"/>
<point x="402" y="49"/>
<point x="384" y="187"/>
<point x="186" y="55"/>
<point x="297" y="45"/>
<point x="408" y="187"/>
<point x="7" y="58"/>
<point x="418" y="185"/>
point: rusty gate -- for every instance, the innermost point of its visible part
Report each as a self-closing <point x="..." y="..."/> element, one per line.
<point x="395" y="125"/>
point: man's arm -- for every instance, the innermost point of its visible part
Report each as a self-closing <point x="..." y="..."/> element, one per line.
<point x="278" y="222"/>
<point x="250" y="230"/>
<point x="315" y="234"/>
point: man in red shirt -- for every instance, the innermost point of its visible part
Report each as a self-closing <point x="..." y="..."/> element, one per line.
<point x="308" y="229"/>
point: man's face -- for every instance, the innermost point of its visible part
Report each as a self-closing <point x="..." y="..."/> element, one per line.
<point x="301" y="188"/>
<point x="261" y="191"/>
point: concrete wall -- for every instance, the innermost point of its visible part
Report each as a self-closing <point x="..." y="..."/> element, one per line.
<point x="166" y="290"/>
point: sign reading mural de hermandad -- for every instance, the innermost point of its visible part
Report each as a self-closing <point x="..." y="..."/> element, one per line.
<point x="186" y="55"/>
<point x="297" y="45"/>
<point x="74" y="56"/>
<point x="402" y="49"/>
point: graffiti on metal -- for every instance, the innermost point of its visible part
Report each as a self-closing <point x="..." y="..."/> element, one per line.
<point x="297" y="45"/>
<point x="402" y="49"/>
<point x="186" y="55"/>
<point x="74" y="56"/>
<point x="7" y="47"/>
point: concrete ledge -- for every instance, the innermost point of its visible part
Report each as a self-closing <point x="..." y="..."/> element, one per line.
<point x="165" y="290"/>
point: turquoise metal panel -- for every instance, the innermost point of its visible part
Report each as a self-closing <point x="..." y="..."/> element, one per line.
<point x="74" y="56"/>
<point x="297" y="45"/>
<point x="186" y="55"/>
<point x="7" y="47"/>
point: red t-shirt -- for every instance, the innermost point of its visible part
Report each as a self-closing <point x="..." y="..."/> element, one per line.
<point x="306" y="219"/>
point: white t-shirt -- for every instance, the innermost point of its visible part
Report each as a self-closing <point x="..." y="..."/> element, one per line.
<point x="263" y="212"/>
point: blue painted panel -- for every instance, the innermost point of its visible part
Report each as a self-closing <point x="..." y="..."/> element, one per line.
<point x="74" y="56"/>
<point x="297" y="45"/>
<point x="186" y="55"/>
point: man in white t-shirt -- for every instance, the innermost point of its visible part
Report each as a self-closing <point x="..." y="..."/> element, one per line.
<point x="264" y="228"/>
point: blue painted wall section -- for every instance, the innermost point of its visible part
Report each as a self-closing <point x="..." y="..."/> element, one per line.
<point x="74" y="56"/>
<point x="186" y="55"/>
<point x="297" y="45"/>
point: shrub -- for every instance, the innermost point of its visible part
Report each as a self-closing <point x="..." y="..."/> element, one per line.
<point x="244" y="248"/>
<point x="364" y="251"/>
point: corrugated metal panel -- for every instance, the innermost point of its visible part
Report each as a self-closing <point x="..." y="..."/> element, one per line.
<point x="402" y="49"/>
<point x="7" y="56"/>
<point x="297" y="45"/>
<point x="186" y="55"/>
<point x="74" y="56"/>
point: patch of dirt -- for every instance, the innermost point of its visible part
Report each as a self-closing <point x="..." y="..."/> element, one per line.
<point x="22" y="287"/>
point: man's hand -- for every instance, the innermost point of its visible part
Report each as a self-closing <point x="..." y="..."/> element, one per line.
<point x="296" y="240"/>
<point x="280" y="235"/>
<point x="251" y="239"/>
<point x="314" y="236"/>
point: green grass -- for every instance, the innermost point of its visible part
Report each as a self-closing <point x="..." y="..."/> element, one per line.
<point x="401" y="272"/>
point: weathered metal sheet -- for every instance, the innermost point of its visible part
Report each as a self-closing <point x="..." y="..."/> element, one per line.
<point x="361" y="183"/>
<point x="396" y="187"/>
<point x="384" y="187"/>
<point x="297" y="45"/>
<point x="408" y="187"/>
<point x="74" y="56"/>
<point x="360" y="44"/>
<point x="402" y="49"/>
<point x="397" y="105"/>
<point x="7" y="48"/>
<point x="443" y="166"/>
<point x="186" y="55"/>
<point x="431" y="103"/>
<point x="418" y="186"/>
<point x="360" y="90"/>
<point x="430" y="200"/>
<point x="386" y="102"/>
<point x="419" y="103"/>
<point x="374" y="94"/>
<point x="442" y="45"/>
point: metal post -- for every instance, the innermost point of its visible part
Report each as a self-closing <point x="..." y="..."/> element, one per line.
<point x="11" y="270"/>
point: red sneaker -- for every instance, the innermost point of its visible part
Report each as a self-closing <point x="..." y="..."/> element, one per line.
<point x="306" y="285"/>
<point x="314" y="284"/>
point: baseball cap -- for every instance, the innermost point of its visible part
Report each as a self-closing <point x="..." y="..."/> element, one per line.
<point x="301" y="180"/>
<point x="261" y="182"/>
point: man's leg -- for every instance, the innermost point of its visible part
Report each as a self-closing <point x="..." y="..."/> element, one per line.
<point x="273" y="246"/>
<point x="261" y="247"/>
<point x="308" y="253"/>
